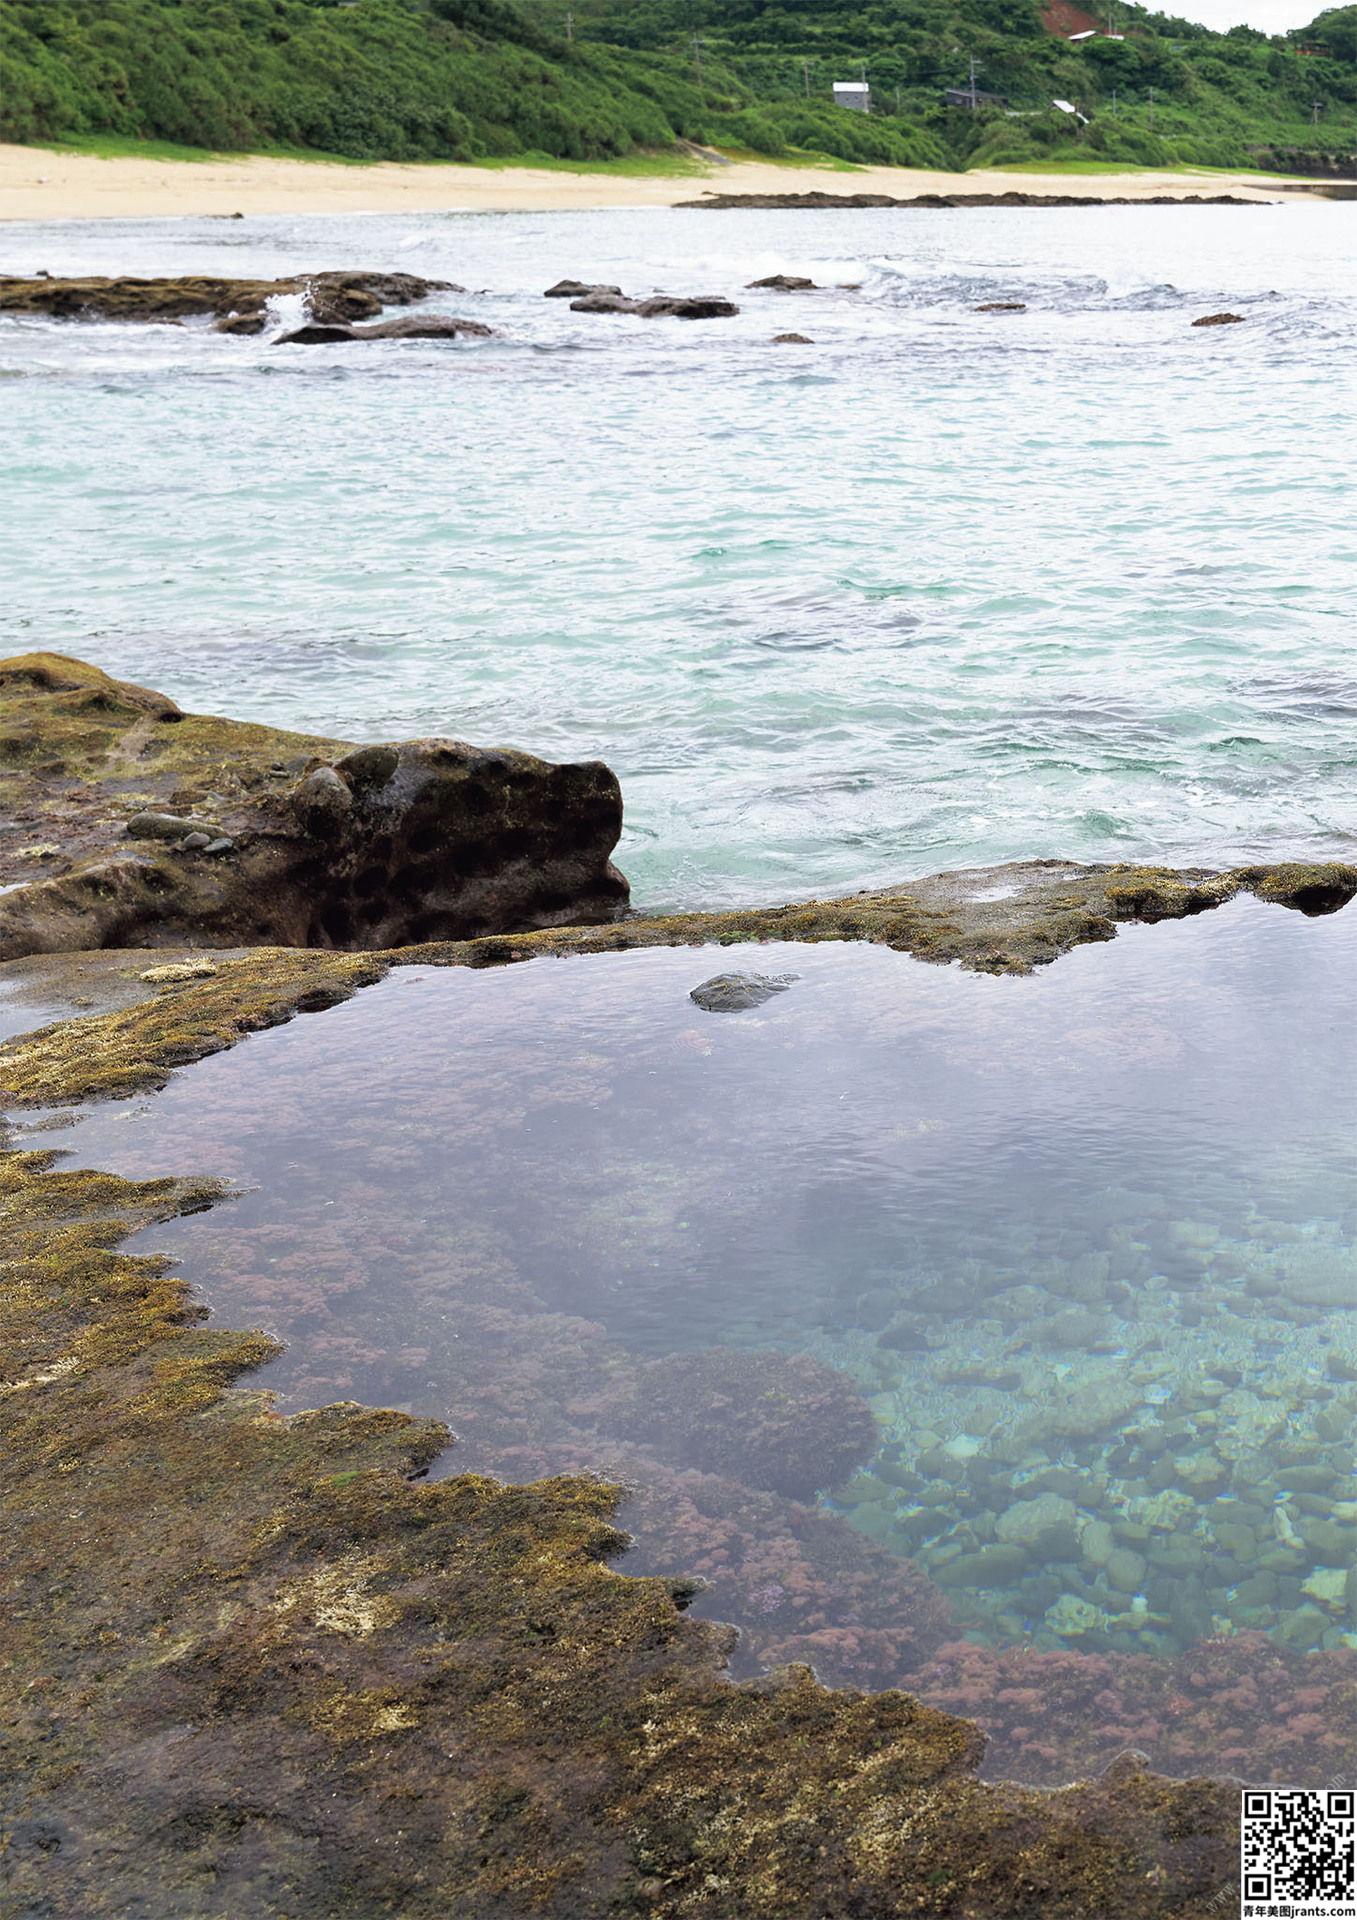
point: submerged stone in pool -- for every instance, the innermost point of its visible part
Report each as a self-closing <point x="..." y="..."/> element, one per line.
<point x="737" y="992"/>
<point x="1044" y="1287"/>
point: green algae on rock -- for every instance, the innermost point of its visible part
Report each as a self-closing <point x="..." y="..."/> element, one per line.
<point x="113" y="796"/>
<point x="131" y="823"/>
<point x="1001" y="920"/>
<point x="142" y="1038"/>
<point x="240" y="1651"/>
<point x="1108" y="1348"/>
<point x="299" y="1636"/>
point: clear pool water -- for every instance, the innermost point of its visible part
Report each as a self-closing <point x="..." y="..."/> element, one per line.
<point x="993" y="1337"/>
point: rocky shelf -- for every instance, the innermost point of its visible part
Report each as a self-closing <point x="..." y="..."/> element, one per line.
<point x="819" y="198"/>
<point x="258" y="1663"/>
<point x="238" y="306"/>
<point x="255" y="1660"/>
<point x="127" y="822"/>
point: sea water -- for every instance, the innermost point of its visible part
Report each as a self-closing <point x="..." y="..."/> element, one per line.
<point x="992" y="1337"/>
<point x="943" y="588"/>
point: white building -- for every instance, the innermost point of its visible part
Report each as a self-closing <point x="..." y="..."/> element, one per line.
<point x="856" y="95"/>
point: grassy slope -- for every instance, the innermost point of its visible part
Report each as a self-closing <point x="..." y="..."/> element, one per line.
<point x="1168" y="93"/>
<point x="481" y="80"/>
<point x="640" y="163"/>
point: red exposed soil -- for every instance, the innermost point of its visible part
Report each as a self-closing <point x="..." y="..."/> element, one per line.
<point x="1064" y="18"/>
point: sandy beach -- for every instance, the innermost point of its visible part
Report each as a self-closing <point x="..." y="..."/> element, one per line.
<point x="37" y="183"/>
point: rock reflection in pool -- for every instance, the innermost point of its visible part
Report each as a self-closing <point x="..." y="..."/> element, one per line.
<point x="992" y="1337"/>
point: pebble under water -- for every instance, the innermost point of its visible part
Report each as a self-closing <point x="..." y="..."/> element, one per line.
<point x="993" y="1337"/>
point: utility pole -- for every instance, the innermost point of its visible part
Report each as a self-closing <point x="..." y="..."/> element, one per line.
<point x="697" y="59"/>
<point x="569" y="26"/>
<point x="1114" y="101"/>
<point x="1151" y="109"/>
<point x="805" y="75"/>
<point x="971" y="89"/>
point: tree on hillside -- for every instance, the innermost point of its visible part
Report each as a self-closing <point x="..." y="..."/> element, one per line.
<point x="1335" y="30"/>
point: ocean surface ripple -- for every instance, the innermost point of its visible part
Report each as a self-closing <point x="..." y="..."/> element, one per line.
<point x="945" y="587"/>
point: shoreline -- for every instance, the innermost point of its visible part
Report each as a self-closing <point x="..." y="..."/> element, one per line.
<point x="296" y="805"/>
<point x="40" y="183"/>
<point x="323" y="1623"/>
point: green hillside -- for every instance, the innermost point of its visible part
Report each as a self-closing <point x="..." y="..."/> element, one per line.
<point x="466" y="79"/>
<point x="1166" y="92"/>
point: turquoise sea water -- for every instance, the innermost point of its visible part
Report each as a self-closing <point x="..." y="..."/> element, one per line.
<point x="934" y="1319"/>
<point x="943" y="588"/>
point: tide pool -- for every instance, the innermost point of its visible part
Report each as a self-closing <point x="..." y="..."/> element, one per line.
<point x="992" y="1337"/>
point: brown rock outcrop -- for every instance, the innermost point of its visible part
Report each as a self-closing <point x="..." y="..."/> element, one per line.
<point x="331" y="298"/>
<point x="724" y="202"/>
<point x="660" y="306"/>
<point x="602" y="300"/>
<point x="686" y="306"/>
<point x="576" y="290"/>
<point x="430" y="326"/>
<point x="129" y="823"/>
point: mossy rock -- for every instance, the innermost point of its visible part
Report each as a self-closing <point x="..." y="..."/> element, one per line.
<point x="337" y="297"/>
<point x="178" y="827"/>
<point x="249" y="1664"/>
<point x="1312" y="887"/>
<point x="478" y="857"/>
